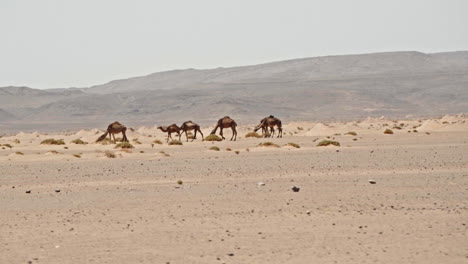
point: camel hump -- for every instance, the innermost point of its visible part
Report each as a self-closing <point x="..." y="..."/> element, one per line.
<point x="226" y="117"/>
<point x="271" y="116"/>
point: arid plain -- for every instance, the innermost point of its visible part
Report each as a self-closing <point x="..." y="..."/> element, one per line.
<point x="160" y="203"/>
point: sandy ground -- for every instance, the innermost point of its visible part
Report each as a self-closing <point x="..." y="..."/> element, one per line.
<point x="130" y="209"/>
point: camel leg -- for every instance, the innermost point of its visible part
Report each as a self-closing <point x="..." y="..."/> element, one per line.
<point x="221" y="133"/>
<point x="168" y="135"/>
<point x="234" y="133"/>
<point x="280" y="132"/>
<point x="203" y="137"/>
<point x="272" y="130"/>
<point x="186" y="135"/>
<point x="194" y="134"/>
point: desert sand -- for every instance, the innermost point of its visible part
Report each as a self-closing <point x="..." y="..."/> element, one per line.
<point x="162" y="203"/>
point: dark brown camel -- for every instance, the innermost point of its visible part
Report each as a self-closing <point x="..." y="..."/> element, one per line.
<point x="112" y="129"/>
<point x="270" y="122"/>
<point x="226" y="122"/>
<point x="189" y="126"/>
<point x="170" y="129"/>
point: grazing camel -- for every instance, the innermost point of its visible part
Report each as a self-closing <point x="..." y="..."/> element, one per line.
<point x="170" y="129"/>
<point x="270" y="122"/>
<point x="226" y="122"/>
<point x="189" y="126"/>
<point x="112" y="129"/>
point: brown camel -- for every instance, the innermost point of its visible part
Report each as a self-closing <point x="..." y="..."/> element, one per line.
<point x="270" y="122"/>
<point x="189" y="126"/>
<point x="170" y="129"/>
<point x="112" y="129"/>
<point x="226" y="122"/>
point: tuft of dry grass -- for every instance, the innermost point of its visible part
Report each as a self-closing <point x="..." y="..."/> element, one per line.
<point x="79" y="142"/>
<point x="136" y="141"/>
<point x="77" y="155"/>
<point x="352" y="133"/>
<point x="215" y="148"/>
<point x="106" y="141"/>
<point x="54" y="152"/>
<point x="213" y="137"/>
<point x="293" y="145"/>
<point x="124" y="145"/>
<point x="16" y="141"/>
<point x="268" y="144"/>
<point x="175" y="142"/>
<point x="51" y="141"/>
<point x="157" y="141"/>
<point x="164" y="153"/>
<point x="19" y="153"/>
<point x="325" y="143"/>
<point x="228" y="149"/>
<point x="110" y="154"/>
<point x="180" y="182"/>
<point x="388" y="131"/>
<point x="253" y="134"/>
<point x="6" y="145"/>
<point x="300" y="128"/>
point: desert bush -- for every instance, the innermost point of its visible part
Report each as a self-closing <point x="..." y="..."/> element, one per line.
<point x="16" y="141"/>
<point x="157" y="141"/>
<point x="6" y="145"/>
<point x="388" y="131"/>
<point x="352" y="133"/>
<point x="175" y="142"/>
<point x="268" y="144"/>
<point x="124" y="145"/>
<point x="253" y="134"/>
<point x="109" y="154"/>
<point x="215" y="148"/>
<point x="293" y="145"/>
<point x="325" y="143"/>
<point x="213" y="137"/>
<point x="300" y="128"/>
<point x="228" y="149"/>
<point x="79" y="142"/>
<point x="77" y="155"/>
<point x="415" y="131"/>
<point x="19" y="153"/>
<point x="180" y="182"/>
<point x="397" y="127"/>
<point x="51" y="141"/>
<point x="136" y="141"/>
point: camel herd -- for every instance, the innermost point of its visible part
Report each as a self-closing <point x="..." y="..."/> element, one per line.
<point x="267" y="125"/>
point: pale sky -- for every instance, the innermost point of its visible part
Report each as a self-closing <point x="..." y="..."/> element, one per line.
<point x="64" y="43"/>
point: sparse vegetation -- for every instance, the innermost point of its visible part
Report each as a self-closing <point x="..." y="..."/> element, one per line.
<point x="388" y="131"/>
<point x="325" y="143"/>
<point x="16" y="141"/>
<point x="415" y="131"/>
<point x="293" y="145"/>
<point x="136" y="141"/>
<point x="6" y="145"/>
<point x="164" y="153"/>
<point x="109" y="154"/>
<point x="247" y="149"/>
<point x="141" y="151"/>
<point x="228" y="149"/>
<point x="157" y="141"/>
<point x="215" y="148"/>
<point x="124" y="145"/>
<point x="352" y="133"/>
<point x="253" y="134"/>
<point x="19" y="153"/>
<point x="213" y="137"/>
<point x="51" y="141"/>
<point x="300" y="128"/>
<point x="268" y="144"/>
<point x="180" y="182"/>
<point x="175" y="142"/>
<point x="65" y="147"/>
<point x="79" y="142"/>
<point x="237" y="152"/>
<point x="77" y="155"/>
<point x="106" y="141"/>
<point x="54" y="152"/>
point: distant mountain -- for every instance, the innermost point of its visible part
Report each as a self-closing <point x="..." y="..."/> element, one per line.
<point x="323" y="88"/>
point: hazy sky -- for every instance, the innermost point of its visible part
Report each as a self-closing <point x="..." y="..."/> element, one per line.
<point x="64" y="43"/>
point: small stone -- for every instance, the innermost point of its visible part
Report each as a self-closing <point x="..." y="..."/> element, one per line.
<point x="57" y="190"/>
<point x="231" y="254"/>
<point x="28" y="191"/>
<point x="261" y="184"/>
<point x="372" y="182"/>
<point x="295" y="189"/>
<point x="308" y="212"/>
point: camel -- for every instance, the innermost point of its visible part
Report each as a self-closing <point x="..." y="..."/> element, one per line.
<point x="226" y="122"/>
<point x="189" y="126"/>
<point x="170" y="129"/>
<point x="112" y="129"/>
<point x="270" y="122"/>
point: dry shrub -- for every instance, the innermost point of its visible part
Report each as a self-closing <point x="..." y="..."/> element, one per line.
<point x="215" y="148"/>
<point x="175" y="142"/>
<point x="6" y="145"/>
<point x="325" y="143"/>
<point x="79" y="142"/>
<point x="228" y="149"/>
<point x="164" y="153"/>
<point x="253" y="134"/>
<point x="77" y="155"/>
<point x="106" y="141"/>
<point x="109" y="154"/>
<point x="237" y="152"/>
<point x="136" y="141"/>
<point x="268" y="144"/>
<point x="213" y="137"/>
<point x="157" y="141"/>
<point x="124" y="145"/>
<point x="352" y="133"/>
<point x="19" y="153"/>
<point x="54" y="152"/>
<point x="293" y="145"/>
<point x="51" y="141"/>
<point x="16" y="141"/>
<point x="388" y="131"/>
